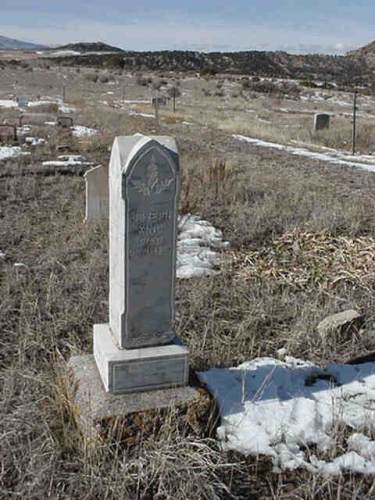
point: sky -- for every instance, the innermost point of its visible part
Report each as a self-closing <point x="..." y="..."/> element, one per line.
<point x="297" y="26"/>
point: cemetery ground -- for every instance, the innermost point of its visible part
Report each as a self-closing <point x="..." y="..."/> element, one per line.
<point x="301" y="248"/>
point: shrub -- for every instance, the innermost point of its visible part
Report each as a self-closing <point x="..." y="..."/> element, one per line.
<point x="208" y="71"/>
<point x="142" y="80"/>
<point x="157" y="84"/>
<point x="91" y="77"/>
<point x="105" y="78"/>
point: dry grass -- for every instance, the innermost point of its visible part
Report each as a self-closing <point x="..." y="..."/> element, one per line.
<point x="294" y="227"/>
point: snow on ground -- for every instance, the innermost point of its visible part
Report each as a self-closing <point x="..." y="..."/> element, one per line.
<point x="68" y="161"/>
<point x="25" y="129"/>
<point x="136" y="101"/>
<point x="198" y="243"/>
<point x="365" y="162"/>
<point x="63" y="108"/>
<point x="7" y="152"/>
<point x="319" y="96"/>
<point x="35" y="141"/>
<point x="137" y="113"/>
<point x="62" y="53"/>
<point x="281" y="408"/>
<point x="81" y="131"/>
<point x="8" y="103"/>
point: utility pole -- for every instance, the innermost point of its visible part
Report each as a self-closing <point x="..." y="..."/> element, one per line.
<point x="156" y="105"/>
<point x="174" y="99"/>
<point x="354" y="121"/>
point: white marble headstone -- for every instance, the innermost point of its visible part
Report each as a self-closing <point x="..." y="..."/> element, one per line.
<point x="143" y="189"/>
<point x="137" y="350"/>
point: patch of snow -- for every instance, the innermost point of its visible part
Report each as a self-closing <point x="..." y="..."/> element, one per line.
<point x="136" y="101"/>
<point x="318" y="96"/>
<point x="81" y="131"/>
<point x="62" y="53"/>
<point x="34" y="141"/>
<point x="19" y="264"/>
<point x="145" y="115"/>
<point x="52" y="124"/>
<point x="337" y="157"/>
<point x="11" y="152"/>
<point x="35" y="104"/>
<point x="2" y="255"/>
<point x="280" y="408"/>
<point x="8" y="103"/>
<point x="63" y="108"/>
<point x="198" y="243"/>
<point x="67" y="161"/>
<point x="24" y="129"/>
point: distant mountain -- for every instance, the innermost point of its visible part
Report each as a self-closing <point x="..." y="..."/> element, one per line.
<point x="367" y="53"/>
<point x="11" y="44"/>
<point x="83" y="47"/>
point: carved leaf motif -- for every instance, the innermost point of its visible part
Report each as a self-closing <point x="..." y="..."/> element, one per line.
<point x="141" y="187"/>
<point x="152" y="184"/>
<point x="153" y="174"/>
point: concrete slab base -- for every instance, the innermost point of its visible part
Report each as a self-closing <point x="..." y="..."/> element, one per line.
<point x="143" y="369"/>
<point x="94" y="405"/>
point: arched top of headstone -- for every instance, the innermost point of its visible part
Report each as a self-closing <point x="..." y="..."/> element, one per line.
<point x="128" y="150"/>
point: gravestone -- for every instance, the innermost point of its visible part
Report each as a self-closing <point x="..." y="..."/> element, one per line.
<point x="96" y="194"/>
<point x="64" y="122"/>
<point x="8" y="134"/>
<point x="139" y="368"/>
<point x="159" y="101"/>
<point x="23" y="102"/>
<point x="321" y="121"/>
<point x="137" y="350"/>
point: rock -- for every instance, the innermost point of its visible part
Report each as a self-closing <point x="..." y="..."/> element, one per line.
<point x="336" y="322"/>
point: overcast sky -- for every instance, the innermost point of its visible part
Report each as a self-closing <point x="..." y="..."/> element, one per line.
<point x="331" y="26"/>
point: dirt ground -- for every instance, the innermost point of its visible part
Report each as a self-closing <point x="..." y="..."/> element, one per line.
<point x="54" y="272"/>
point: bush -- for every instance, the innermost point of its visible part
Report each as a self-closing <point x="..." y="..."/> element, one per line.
<point x="91" y="77"/>
<point x="105" y="78"/>
<point x="143" y="80"/>
<point x="245" y="83"/>
<point x="157" y="84"/>
<point x="208" y="71"/>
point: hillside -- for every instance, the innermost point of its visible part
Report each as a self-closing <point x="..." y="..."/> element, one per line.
<point x="84" y="47"/>
<point x="275" y="64"/>
<point x="12" y="44"/>
<point x="366" y="53"/>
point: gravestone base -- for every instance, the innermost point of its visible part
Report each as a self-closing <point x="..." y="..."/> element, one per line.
<point x="98" y="412"/>
<point x="135" y="370"/>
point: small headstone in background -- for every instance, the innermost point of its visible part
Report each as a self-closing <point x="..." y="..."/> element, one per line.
<point x="321" y="121"/>
<point x="65" y="122"/>
<point x="23" y="102"/>
<point x="159" y="101"/>
<point x="8" y="134"/>
<point x="96" y="194"/>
